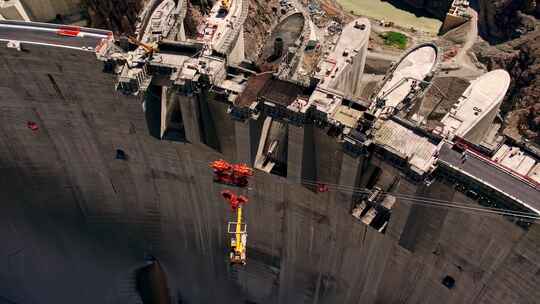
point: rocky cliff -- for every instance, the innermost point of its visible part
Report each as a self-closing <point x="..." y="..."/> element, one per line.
<point x="47" y="10"/>
<point x="513" y="31"/>
<point x="262" y="15"/>
<point x="436" y="7"/>
<point x="521" y="58"/>
<point x="506" y="19"/>
<point x="118" y="16"/>
<point x="499" y="19"/>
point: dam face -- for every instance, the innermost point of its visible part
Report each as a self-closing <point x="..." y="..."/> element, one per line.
<point x="78" y="221"/>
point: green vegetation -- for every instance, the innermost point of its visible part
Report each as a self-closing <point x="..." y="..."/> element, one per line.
<point x="395" y="39"/>
<point x="384" y="10"/>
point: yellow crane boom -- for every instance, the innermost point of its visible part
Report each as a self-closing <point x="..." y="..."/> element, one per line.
<point x="238" y="242"/>
<point x="239" y="246"/>
<point x="150" y="49"/>
<point x="237" y="254"/>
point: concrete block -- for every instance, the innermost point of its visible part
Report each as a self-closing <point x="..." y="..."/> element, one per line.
<point x="189" y="106"/>
<point x="242" y="132"/>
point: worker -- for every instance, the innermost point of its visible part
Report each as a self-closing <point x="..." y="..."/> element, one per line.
<point x="464" y="157"/>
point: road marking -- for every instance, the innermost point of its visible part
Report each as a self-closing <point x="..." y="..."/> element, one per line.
<point x="68" y="32"/>
<point x="50" y="44"/>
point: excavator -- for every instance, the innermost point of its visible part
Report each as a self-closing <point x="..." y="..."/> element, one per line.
<point x="224" y="9"/>
<point x="225" y="4"/>
<point x="237" y="255"/>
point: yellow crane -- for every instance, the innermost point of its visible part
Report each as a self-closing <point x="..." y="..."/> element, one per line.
<point x="239" y="241"/>
<point x="238" y="229"/>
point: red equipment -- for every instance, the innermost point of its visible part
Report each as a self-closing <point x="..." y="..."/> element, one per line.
<point x="234" y="200"/>
<point x="226" y="173"/>
<point x="32" y="125"/>
<point x="322" y="188"/>
<point x="71" y="31"/>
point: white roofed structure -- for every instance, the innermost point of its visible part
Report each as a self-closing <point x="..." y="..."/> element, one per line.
<point x="413" y="67"/>
<point x="471" y="117"/>
<point x="518" y="161"/>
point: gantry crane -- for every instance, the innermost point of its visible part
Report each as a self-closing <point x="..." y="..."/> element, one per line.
<point x="237" y="255"/>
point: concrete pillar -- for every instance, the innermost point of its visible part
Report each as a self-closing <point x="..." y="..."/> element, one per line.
<point x="349" y="81"/>
<point x="301" y="154"/>
<point x="242" y="132"/>
<point x="190" y="117"/>
<point x="207" y="123"/>
<point x="164" y="112"/>
<point x="295" y="153"/>
<point x="351" y="170"/>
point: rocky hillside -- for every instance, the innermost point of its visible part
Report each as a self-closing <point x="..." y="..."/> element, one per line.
<point x="262" y="14"/>
<point x="118" y="16"/>
<point x="512" y="32"/>
<point x="436" y="7"/>
<point x="500" y="20"/>
<point x="194" y="17"/>
<point x="514" y="25"/>
<point x="521" y="58"/>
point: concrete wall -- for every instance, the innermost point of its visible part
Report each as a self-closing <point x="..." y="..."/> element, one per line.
<point x="349" y="81"/>
<point x="77" y="221"/>
<point x="13" y="10"/>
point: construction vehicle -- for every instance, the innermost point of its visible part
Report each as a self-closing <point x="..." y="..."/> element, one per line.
<point x="237" y="255"/>
<point x="231" y="174"/>
<point x="225" y="5"/>
<point x="150" y="49"/>
<point x="223" y="9"/>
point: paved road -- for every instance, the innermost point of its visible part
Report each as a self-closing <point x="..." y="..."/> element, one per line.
<point x="468" y="68"/>
<point x="47" y="34"/>
<point x="462" y="57"/>
<point x="489" y="174"/>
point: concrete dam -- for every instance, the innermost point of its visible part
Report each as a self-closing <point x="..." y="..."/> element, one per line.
<point x="105" y="162"/>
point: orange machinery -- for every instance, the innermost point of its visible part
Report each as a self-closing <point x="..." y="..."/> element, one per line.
<point x="231" y="174"/>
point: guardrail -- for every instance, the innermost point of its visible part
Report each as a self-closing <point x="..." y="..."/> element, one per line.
<point x="57" y="27"/>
